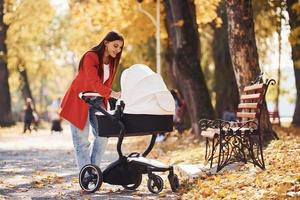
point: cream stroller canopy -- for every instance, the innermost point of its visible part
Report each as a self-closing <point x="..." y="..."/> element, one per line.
<point x="144" y="92"/>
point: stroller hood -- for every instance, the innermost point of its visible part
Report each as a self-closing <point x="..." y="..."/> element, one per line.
<point x="144" y="92"/>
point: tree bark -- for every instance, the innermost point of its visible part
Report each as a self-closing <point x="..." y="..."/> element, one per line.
<point x="171" y="66"/>
<point x="243" y="52"/>
<point x="227" y="94"/>
<point x="25" y="86"/>
<point x="276" y="109"/>
<point x="184" y="40"/>
<point x="6" y="118"/>
<point x="295" y="23"/>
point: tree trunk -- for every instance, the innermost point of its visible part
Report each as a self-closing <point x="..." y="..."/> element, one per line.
<point x="294" y="22"/>
<point x="227" y="94"/>
<point x="25" y="86"/>
<point x="6" y="118"/>
<point x="171" y="66"/>
<point x="243" y="51"/>
<point x="276" y="109"/>
<point x="184" y="40"/>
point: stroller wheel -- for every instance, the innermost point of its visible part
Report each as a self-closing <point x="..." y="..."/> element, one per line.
<point x="135" y="185"/>
<point x="90" y="178"/>
<point x="174" y="182"/>
<point x="155" y="184"/>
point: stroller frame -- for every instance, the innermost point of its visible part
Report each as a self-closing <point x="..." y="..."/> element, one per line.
<point x="127" y="171"/>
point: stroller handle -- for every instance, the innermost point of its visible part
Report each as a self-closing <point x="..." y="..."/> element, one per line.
<point x="90" y="97"/>
<point x="83" y="95"/>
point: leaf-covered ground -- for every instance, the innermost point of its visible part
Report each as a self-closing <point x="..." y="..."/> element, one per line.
<point x="41" y="165"/>
<point x="280" y="180"/>
<point x="31" y="167"/>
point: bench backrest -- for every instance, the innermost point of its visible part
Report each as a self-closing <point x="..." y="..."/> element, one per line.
<point x="251" y="101"/>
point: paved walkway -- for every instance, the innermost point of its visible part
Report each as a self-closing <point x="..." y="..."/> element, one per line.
<point x="41" y="165"/>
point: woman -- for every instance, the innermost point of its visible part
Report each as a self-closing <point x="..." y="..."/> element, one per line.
<point x="97" y="69"/>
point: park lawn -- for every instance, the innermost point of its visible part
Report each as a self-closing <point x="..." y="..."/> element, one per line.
<point x="280" y="180"/>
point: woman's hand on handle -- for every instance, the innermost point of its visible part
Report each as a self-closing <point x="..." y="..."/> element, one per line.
<point x="115" y="95"/>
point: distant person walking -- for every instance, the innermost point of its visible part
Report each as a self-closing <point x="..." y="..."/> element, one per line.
<point x="229" y="114"/>
<point x="28" y="115"/>
<point x="36" y="120"/>
<point x="54" y="116"/>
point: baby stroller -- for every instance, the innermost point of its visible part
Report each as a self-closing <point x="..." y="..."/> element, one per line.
<point x="146" y="108"/>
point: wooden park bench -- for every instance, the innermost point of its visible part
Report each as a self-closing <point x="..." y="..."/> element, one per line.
<point x="242" y="140"/>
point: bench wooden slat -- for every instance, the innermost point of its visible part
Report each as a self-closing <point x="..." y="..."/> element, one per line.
<point x="251" y="96"/>
<point x="249" y="105"/>
<point x="254" y="87"/>
<point x="247" y="115"/>
<point x="210" y="133"/>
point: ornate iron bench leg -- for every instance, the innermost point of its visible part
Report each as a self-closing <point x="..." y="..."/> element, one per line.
<point x="261" y="159"/>
<point x="256" y="151"/>
<point x="244" y="142"/>
<point x="219" y="166"/>
<point x="224" y="152"/>
<point x="212" y="152"/>
<point x="206" y="148"/>
<point x="210" y="148"/>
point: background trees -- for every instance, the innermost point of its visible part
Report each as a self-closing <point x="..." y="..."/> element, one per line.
<point x="185" y="50"/>
<point x="293" y="8"/>
<point x="5" y="100"/>
<point x="243" y="50"/>
<point x="227" y="94"/>
<point x="45" y="41"/>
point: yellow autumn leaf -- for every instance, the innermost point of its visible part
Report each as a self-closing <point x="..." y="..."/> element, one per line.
<point x="283" y="188"/>
<point x="179" y="23"/>
<point x="207" y="191"/>
<point x="217" y="179"/>
<point x="233" y="195"/>
<point x="222" y="193"/>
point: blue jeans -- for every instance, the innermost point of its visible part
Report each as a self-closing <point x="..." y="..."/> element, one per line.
<point x="87" y="152"/>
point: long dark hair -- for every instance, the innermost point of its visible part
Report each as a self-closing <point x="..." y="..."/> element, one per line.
<point x="100" y="48"/>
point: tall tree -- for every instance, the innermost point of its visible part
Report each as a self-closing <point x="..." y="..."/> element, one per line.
<point x="243" y="52"/>
<point x="170" y="67"/>
<point x="29" y="31"/>
<point x="294" y="22"/>
<point x="25" y="86"/>
<point x="280" y="6"/>
<point x="184" y="39"/>
<point x="227" y="94"/>
<point x="5" y="100"/>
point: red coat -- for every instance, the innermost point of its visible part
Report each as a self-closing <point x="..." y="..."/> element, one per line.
<point x="74" y="109"/>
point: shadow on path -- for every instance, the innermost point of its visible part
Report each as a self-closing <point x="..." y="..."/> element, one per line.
<point x="41" y="171"/>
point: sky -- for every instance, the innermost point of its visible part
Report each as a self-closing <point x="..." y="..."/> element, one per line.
<point x="286" y="102"/>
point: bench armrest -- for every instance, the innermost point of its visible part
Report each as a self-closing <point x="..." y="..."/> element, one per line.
<point x="214" y="124"/>
<point x="251" y="124"/>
